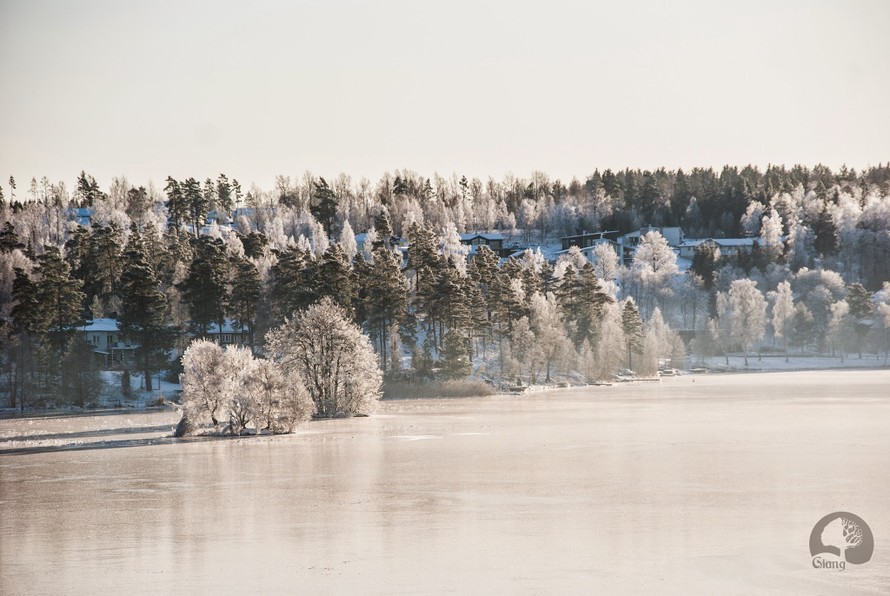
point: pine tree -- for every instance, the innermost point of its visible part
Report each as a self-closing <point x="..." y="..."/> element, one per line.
<point x="632" y="326"/>
<point x="456" y="356"/>
<point x="177" y="208"/>
<point x="106" y="257"/>
<point x="324" y="206"/>
<point x="224" y="194"/>
<point x="423" y="259"/>
<point x="383" y="226"/>
<point x="294" y="281"/>
<point x="143" y="308"/>
<point x="28" y="325"/>
<point x="826" y="233"/>
<point x="593" y="299"/>
<point x="386" y="297"/>
<point x="204" y="290"/>
<point x="9" y="240"/>
<point x="704" y="262"/>
<point x="335" y="278"/>
<point x="196" y="202"/>
<point x="245" y="296"/>
<point x="60" y="304"/>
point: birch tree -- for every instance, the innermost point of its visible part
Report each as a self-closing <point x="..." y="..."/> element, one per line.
<point x="748" y="313"/>
<point x="782" y="312"/>
<point x="334" y="358"/>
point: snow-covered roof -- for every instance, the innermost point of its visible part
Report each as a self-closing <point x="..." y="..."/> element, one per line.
<point x="106" y="325"/>
<point x="592" y="247"/>
<point x="228" y="327"/>
<point x="719" y="242"/>
<point x="484" y="235"/>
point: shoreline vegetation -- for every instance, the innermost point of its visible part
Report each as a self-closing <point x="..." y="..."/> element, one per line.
<point x="407" y="390"/>
<point x="56" y="431"/>
<point x="513" y="280"/>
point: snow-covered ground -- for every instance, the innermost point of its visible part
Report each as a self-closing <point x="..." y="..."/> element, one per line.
<point x="794" y="362"/>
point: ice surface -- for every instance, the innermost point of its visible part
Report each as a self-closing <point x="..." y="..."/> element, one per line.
<point x="695" y="484"/>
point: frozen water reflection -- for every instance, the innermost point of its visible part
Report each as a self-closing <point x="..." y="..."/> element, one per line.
<point x="709" y="486"/>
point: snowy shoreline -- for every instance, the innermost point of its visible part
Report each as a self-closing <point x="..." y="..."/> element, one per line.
<point x="772" y="363"/>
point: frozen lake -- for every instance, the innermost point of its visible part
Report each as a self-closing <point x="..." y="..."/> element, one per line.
<point x="706" y="484"/>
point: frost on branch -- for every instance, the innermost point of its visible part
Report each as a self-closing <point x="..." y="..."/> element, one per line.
<point x="334" y="358"/>
<point x="231" y="385"/>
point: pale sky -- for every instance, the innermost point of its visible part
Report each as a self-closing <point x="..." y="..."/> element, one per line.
<point x="254" y="89"/>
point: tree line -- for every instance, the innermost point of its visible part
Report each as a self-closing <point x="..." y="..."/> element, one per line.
<point x="171" y="267"/>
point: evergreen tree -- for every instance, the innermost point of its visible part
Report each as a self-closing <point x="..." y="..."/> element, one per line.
<point x="143" y="308"/>
<point x="826" y="233"/>
<point x="224" y="194"/>
<point x="386" y="297"/>
<point x="177" y="207"/>
<point x="704" y="262"/>
<point x="28" y="326"/>
<point x="632" y="326"/>
<point x="9" y="240"/>
<point x="423" y="259"/>
<point x="448" y="306"/>
<point x="324" y="206"/>
<point x="245" y="296"/>
<point x="60" y="304"/>
<point x="138" y="203"/>
<point x="593" y="300"/>
<point x="88" y="190"/>
<point x="383" y="226"/>
<point x="253" y="243"/>
<point x="196" y="202"/>
<point x="204" y="290"/>
<point x="456" y="356"/>
<point x="294" y="283"/>
<point x="335" y="278"/>
<point x="106" y="259"/>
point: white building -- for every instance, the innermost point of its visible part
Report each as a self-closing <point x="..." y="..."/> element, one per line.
<point x="105" y="337"/>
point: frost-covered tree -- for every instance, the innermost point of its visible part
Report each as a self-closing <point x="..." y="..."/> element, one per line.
<point x="610" y="347"/>
<point x="204" y="367"/>
<point x="347" y="241"/>
<point x="782" y="303"/>
<point x="752" y="218"/>
<point x="748" y="314"/>
<point x="453" y="249"/>
<point x="546" y="324"/>
<point x="280" y="402"/>
<point x="771" y="234"/>
<point x="841" y="329"/>
<point x="632" y="326"/>
<point x="655" y="264"/>
<point x="605" y="262"/>
<point x="334" y="358"/>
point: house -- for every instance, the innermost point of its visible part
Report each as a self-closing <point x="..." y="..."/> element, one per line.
<point x="104" y="335"/>
<point x="493" y="241"/>
<point x="230" y="334"/>
<point x="727" y="246"/>
<point x="588" y="251"/>
<point x="82" y="216"/>
<point x="673" y="235"/>
<point x="585" y="239"/>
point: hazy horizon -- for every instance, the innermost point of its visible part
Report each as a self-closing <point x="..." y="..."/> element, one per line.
<point x="464" y="88"/>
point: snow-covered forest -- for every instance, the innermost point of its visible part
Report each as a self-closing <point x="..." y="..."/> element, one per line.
<point x="215" y="261"/>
